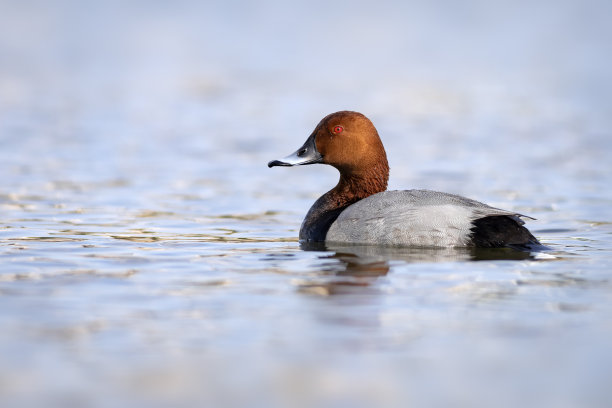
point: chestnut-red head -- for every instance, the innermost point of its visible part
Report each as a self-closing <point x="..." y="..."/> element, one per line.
<point x="346" y="140"/>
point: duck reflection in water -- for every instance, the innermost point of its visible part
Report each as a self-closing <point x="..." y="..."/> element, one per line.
<point x="355" y="267"/>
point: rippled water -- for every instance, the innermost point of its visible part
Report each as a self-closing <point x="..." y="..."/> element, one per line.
<point x="148" y="257"/>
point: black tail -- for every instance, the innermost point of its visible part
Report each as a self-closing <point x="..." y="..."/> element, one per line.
<point x="502" y="231"/>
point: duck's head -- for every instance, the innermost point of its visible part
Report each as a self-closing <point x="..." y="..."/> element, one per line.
<point x="346" y="140"/>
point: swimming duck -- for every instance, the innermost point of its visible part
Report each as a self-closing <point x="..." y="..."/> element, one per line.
<point x="359" y="210"/>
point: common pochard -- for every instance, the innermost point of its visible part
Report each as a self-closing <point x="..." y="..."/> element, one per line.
<point x="359" y="210"/>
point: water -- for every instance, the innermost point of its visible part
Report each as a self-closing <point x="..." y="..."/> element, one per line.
<point x="150" y="258"/>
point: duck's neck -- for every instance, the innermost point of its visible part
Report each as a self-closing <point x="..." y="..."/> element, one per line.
<point x="351" y="188"/>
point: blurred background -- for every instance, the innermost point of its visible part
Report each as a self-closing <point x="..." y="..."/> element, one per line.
<point x="149" y="255"/>
<point x="99" y="89"/>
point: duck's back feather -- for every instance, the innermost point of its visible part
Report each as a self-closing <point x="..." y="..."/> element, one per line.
<point x="425" y="218"/>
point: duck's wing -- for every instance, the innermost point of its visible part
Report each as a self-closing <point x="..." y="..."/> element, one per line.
<point x="413" y="218"/>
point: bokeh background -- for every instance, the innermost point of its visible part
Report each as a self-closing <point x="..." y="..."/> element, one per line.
<point x="148" y="255"/>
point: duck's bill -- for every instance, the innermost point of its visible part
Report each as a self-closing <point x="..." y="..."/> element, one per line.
<point x="307" y="154"/>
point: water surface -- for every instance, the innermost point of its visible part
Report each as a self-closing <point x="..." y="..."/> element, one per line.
<point x="149" y="256"/>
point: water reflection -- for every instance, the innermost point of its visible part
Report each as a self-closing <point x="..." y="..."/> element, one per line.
<point x="356" y="256"/>
<point x="354" y="267"/>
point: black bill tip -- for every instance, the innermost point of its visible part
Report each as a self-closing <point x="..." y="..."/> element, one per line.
<point x="277" y="163"/>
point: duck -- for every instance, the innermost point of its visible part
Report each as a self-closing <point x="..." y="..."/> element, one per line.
<point x="360" y="210"/>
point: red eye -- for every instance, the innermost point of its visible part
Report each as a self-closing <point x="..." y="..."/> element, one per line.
<point x="338" y="129"/>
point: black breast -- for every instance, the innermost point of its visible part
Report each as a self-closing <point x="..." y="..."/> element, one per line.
<point x="317" y="223"/>
<point x="501" y="231"/>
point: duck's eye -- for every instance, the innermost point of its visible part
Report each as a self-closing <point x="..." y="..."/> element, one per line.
<point x="338" y="129"/>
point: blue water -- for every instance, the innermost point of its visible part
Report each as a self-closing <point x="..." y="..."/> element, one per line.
<point x="148" y="256"/>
